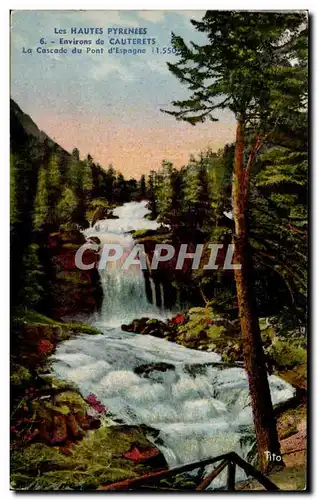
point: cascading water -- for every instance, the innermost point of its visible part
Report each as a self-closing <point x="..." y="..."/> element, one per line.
<point x="199" y="408"/>
<point x="124" y="294"/>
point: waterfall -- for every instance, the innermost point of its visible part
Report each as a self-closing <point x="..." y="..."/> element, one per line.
<point x="153" y="291"/>
<point x="199" y="408"/>
<point x="124" y="293"/>
<point x="162" y="297"/>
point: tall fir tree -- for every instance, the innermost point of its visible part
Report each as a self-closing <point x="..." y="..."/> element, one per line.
<point x="252" y="65"/>
<point x="41" y="207"/>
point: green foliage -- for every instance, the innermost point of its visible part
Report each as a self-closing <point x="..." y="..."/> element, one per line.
<point x="97" y="209"/>
<point x="76" y="327"/>
<point x="286" y="355"/>
<point x="54" y="174"/>
<point x="41" y="202"/>
<point x="278" y="219"/>
<point x="245" y="66"/>
<point x="164" y="190"/>
<point x="20" y="375"/>
<point x="13" y="192"/>
<point x="94" y="461"/>
<point x="99" y="202"/>
<point x="142" y="187"/>
<point x="67" y="205"/>
<point x="141" y="233"/>
<point x="30" y="317"/>
<point x="87" y="181"/>
<point x="31" y="290"/>
<point x="193" y="197"/>
<point x="255" y="65"/>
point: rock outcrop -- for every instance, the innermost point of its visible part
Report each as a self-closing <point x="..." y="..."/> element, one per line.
<point x="72" y="291"/>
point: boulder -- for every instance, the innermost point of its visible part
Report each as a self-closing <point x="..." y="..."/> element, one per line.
<point x="148" y="369"/>
<point x="99" y="214"/>
<point x="148" y="326"/>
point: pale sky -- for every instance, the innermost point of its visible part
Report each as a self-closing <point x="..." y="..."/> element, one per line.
<point x="108" y="105"/>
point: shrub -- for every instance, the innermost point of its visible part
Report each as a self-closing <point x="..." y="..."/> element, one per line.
<point x="286" y="355"/>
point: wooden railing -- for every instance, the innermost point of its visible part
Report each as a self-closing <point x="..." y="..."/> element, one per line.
<point x="229" y="460"/>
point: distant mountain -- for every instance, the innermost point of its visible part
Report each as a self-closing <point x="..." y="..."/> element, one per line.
<point x="26" y="122"/>
<point x="23" y="128"/>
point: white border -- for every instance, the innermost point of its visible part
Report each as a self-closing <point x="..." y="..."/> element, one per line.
<point x="4" y="185"/>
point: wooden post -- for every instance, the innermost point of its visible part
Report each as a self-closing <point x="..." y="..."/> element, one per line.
<point x="231" y="476"/>
<point x="155" y="477"/>
<point x="251" y="471"/>
<point x="208" y="480"/>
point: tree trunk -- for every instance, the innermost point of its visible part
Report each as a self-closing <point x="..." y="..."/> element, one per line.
<point x="263" y="415"/>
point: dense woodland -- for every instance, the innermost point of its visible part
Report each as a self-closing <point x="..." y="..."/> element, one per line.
<point x="254" y="65"/>
<point x="52" y="191"/>
<point x="196" y="199"/>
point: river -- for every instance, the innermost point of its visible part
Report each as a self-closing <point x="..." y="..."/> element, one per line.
<point x="199" y="410"/>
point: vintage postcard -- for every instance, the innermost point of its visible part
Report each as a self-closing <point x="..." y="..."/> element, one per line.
<point x="159" y="189"/>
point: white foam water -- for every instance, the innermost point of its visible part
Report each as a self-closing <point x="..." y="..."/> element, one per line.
<point x="124" y="293"/>
<point x="131" y="216"/>
<point x="199" y="408"/>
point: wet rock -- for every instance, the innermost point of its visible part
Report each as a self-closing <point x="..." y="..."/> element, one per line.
<point x="146" y="455"/>
<point x="62" y="415"/>
<point x="73" y="427"/>
<point x="72" y="290"/>
<point x="99" y="214"/>
<point x="59" y="433"/>
<point x="148" y="369"/>
<point x="94" y="239"/>
<point x="195" y="370"/>
<point x="136" y="326"/>
<point x="295" y="442"/>
<point x="35" y="338"/>
<point x="148" y="326"/>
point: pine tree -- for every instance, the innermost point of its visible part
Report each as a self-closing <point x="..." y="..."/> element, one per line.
<point x="76" y="154"/>
<point x="142" y="186"/>
<point x="119" y="189"/>
<point x="31" y="288"/>
<point x="279" y="220"/>
<point x="67" y="205"/>
<point x="54" y="175"/>
<point x="14" y="212"/>
<point x="87" y="180"/>
<point x="151" y="195"/>
<point x="109" y="183"/>
<point x="164" y="191"/>
<point x="196" y="198"/>
<point x="41" y="202"/>
<point x="248" y="66"/>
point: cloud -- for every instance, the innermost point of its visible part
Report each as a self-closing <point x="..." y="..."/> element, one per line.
<point x="160" y="66"/>
<point x="112" y="67"/>
<point x="191" y="14"/>
<point x="111" y="17"/>
<point x="154" y="16"/>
